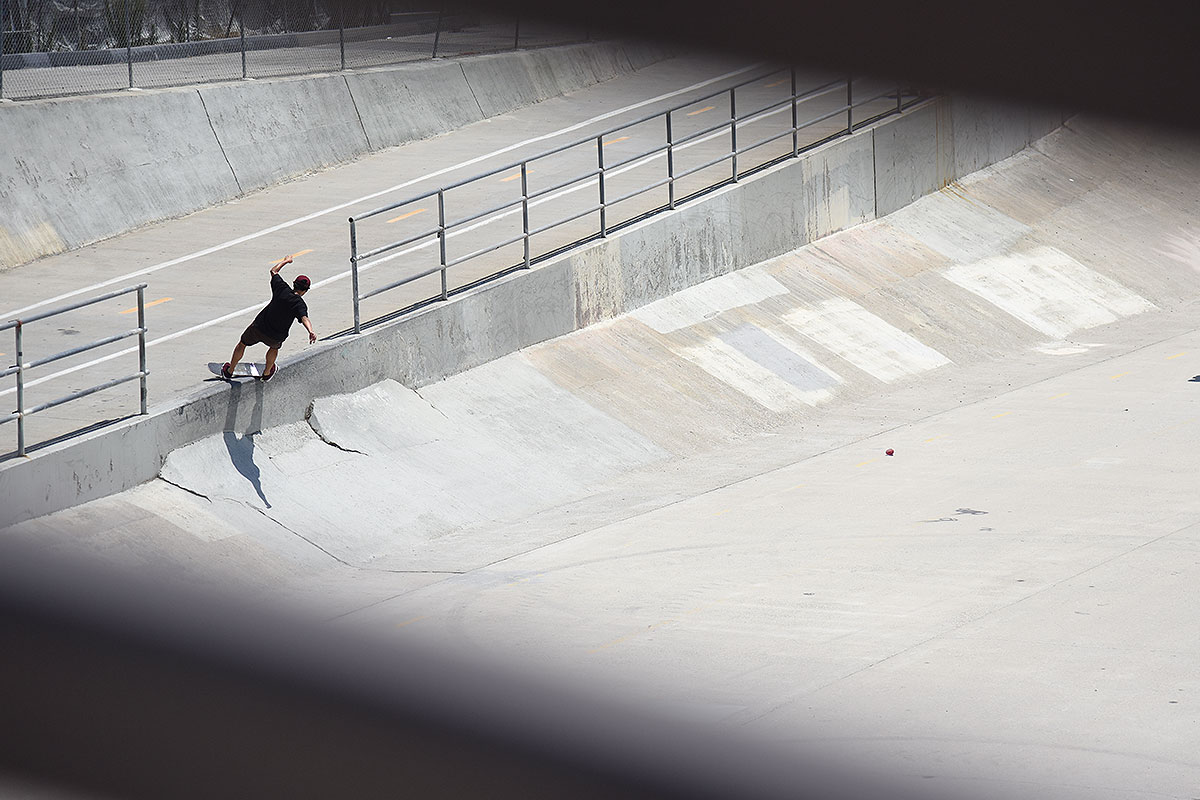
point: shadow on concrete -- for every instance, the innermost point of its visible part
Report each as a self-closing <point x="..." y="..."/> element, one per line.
<point x="241" y="449"/>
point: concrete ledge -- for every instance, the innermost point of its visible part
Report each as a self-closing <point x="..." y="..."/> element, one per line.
<point x="123" y="150"/>
<point x="829" y="189"/>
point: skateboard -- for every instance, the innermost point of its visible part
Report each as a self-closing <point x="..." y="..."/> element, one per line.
<point x="245" y="369"/>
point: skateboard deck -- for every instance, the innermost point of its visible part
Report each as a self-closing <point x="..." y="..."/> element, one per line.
<point x="245" y="369"/>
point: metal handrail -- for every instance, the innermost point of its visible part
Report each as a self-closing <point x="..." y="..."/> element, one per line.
<point x="556" y="150"/>
<point x="598" y="177"/>
<point x="19" y="369"/>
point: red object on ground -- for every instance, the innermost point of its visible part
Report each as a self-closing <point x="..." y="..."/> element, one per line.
<point x="890" y="452"/>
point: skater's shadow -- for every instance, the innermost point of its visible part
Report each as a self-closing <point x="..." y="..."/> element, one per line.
<point x="241" y="449"/>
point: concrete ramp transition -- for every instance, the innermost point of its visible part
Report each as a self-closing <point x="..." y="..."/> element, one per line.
<point x="1022" y="259"/>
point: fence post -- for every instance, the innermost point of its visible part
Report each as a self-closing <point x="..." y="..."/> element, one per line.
<point x="1" y="49"/>
<point x="733" y="131"/>
<point x="899" y="104"/>
<point x="795" y="118"/>
<point x="342" y="30"/>
<point x="437" y="34"/>
<point x="525" y="207"/>
<point x="517" y="35"/>
<point x="129" y="39"/>
<point x="20" y="393"/>
<point x="141" y="293"/>
<point x="600" y="165"/>
<point x="670" y="164"/>
<point x="354" y="273"/>
<point x="849" y="104"/>
<point x="442" y="235"/>
<point x="242" y="37"/>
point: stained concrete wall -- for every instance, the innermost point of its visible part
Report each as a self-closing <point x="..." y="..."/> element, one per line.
<point x="87" y="168"/>
<point x="77" y="170"/>
<point x="835" y="187"/>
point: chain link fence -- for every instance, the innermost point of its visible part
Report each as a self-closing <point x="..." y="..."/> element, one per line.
<point x="51" y="48"/>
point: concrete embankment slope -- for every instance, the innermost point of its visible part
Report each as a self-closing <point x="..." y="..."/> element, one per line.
<point x="841" y="184"/>
<point x="82" y="169"/>
<point x="1027" y="260"/>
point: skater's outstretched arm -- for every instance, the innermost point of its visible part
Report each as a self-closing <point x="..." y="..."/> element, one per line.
<point x="280" y="265"/>
<point x="312" y="337"/>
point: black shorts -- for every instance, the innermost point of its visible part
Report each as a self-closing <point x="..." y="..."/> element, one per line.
<point x="253" y="335"/>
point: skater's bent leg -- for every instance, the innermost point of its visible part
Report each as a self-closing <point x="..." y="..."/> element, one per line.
<point x="238" y="352"/>
<point x="271" y="354"/>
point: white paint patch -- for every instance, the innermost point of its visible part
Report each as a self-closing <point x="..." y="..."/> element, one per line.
<point x="958" y="226"/>
<point x="866" y="341"/>
<point x="1102" y="463"/>
<point x="1048" y="290"/>
<point x="1184" y="248"/>
<point x="1061" y="348"/>
<point x="707" y="300"/>
<point x="728" y="365"/>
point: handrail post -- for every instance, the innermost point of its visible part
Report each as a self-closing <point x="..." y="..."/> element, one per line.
<point x="795" y="118"/>
<point x="670" y="164"/>
<point x="525" y="208"/>
<point x="899" y="104"/>
<point x="600" y="166"/>
<point x="141" y="294"/>
<point x="442" y="236"/>
<point x="733" y="131"/>
<point x="354" y="273"/>
<point x="849" y="104"/>
<point x="20" y="393"/>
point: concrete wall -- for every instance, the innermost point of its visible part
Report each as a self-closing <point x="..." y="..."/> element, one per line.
<point x="87" y="168"/>
<point x="839" y="185"/>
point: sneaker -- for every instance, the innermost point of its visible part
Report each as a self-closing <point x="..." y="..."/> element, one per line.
<point x="226" y="371"/>
<point x="268" y="375"/>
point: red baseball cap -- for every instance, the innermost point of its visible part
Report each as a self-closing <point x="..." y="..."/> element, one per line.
<point x="301" y="282"/>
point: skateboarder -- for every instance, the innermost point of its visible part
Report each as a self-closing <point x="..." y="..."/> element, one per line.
<point x="272" y="324"/>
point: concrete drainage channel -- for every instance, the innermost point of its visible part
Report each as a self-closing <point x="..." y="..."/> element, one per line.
<point x="847" y="182"/>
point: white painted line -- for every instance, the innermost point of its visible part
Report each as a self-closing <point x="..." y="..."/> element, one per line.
<point x="298" y="220"/>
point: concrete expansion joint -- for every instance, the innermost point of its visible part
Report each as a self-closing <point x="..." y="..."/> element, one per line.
<point x="184" y="488"/>
<point x="297" y="534"/>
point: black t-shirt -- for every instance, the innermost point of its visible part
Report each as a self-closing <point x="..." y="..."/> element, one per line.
<point x="275" y="320"/>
